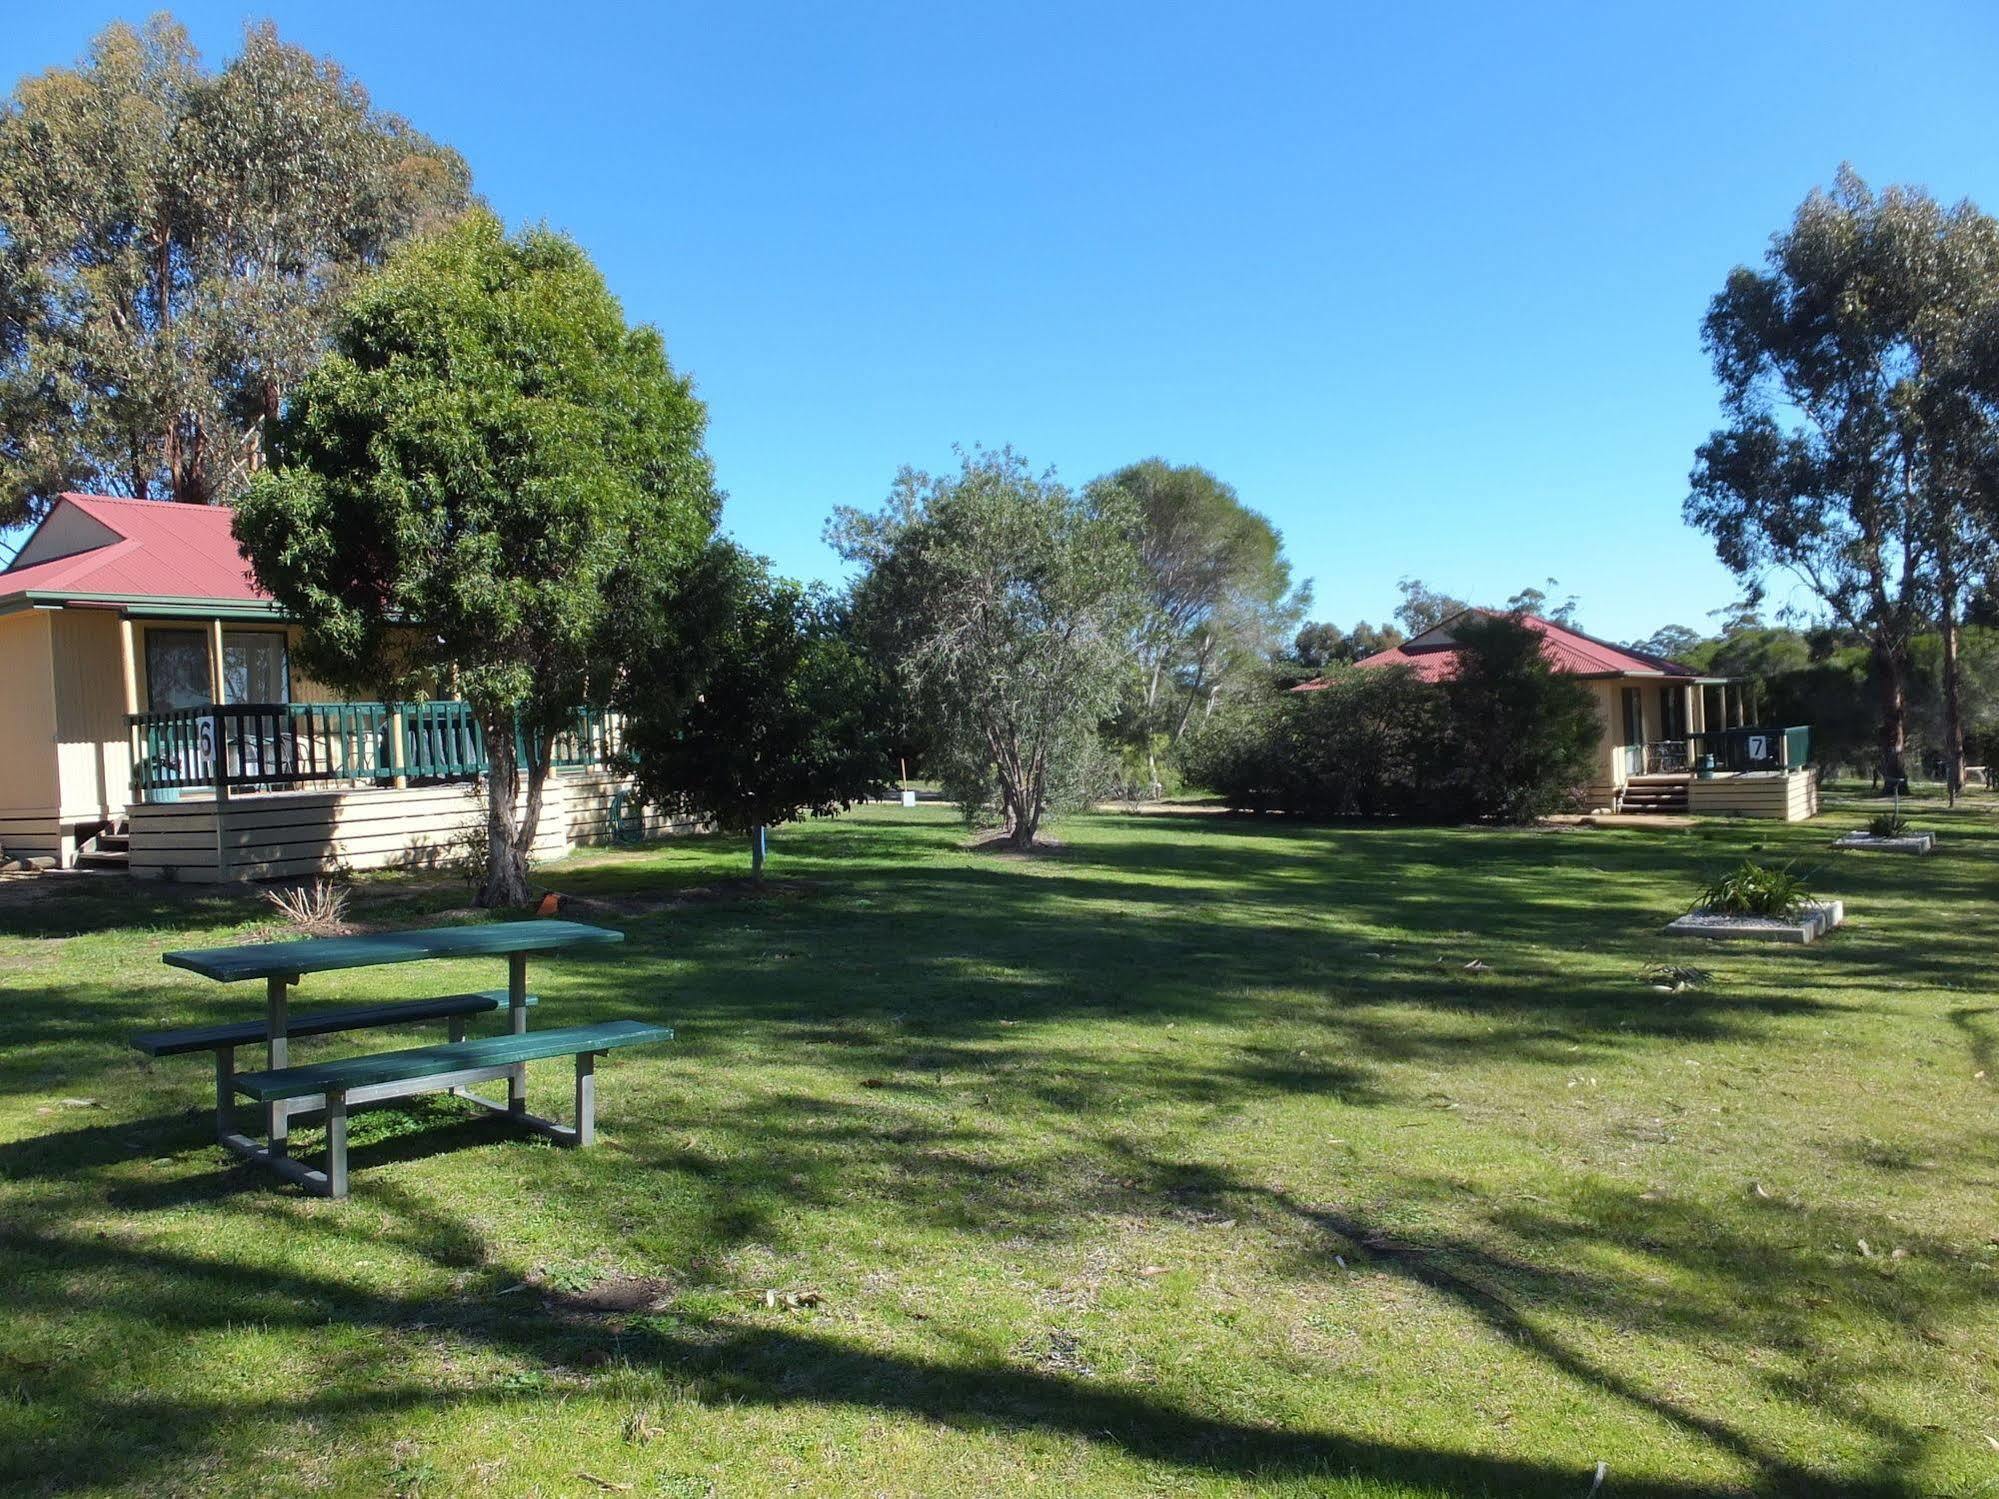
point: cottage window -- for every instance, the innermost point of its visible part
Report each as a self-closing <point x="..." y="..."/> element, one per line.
<point x="176" y="669"/>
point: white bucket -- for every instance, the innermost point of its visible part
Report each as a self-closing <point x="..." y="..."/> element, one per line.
<point x="909" y="798"/>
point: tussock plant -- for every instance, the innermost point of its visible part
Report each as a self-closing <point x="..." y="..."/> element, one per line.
<point x="1752" y="889"/>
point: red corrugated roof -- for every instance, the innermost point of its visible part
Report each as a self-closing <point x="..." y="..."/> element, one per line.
<point x="165" y="551"/>
<point x="1568" y="651"/>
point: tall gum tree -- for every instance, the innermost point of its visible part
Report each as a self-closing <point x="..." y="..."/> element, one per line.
<point x="1222" y="599"/>
<point x="483" y="478"/>
<point x="173" y="243"/>
<point x="1824" y="467"/>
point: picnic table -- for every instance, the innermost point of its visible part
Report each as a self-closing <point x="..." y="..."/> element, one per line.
<point x="288" y="1092"/>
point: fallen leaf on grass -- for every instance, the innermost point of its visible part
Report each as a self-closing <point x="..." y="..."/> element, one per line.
<point x="1148" y="1271"/>
<point x="792" y="1300"/>
<point x="605" y="1483"/>
<point x="874" y="1082"/>
<point x="1478" y="965"/>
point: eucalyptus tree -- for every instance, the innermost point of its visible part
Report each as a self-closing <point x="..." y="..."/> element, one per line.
<point x="1423" y="607"/>
<point x="487" y="474"/>
<point x="173" y="242"/>
<point x="1006" y="602"/>
<point x="1223" y="606"/>
<point x="1838" y="461"/>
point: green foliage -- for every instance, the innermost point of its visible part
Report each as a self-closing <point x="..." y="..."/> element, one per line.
<point x="1753" y="889"/>
<point x="755" y="708"/>
<point x="1006" y="603"/>
<point x="1522" y="735"/>
<point x="1319" y="646"/>
<point x="1367" y="743"/>
<point x="173" y="243"/>
<point x="1838" y="699"/>
<point x="1544" y="605"/>
<point x="482" y="478"/>
<point x="1505" y="739"/>
<point x="1671" y="643"/>
<point x="1851" y="434"/>
<point x="1424" y="608"/>
<point x="1221" y="594"/>
<point x="1887" y="825"/>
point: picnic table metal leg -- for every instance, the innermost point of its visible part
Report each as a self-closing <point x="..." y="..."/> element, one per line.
<point x="517" y="1023"/>
<point x="225" y="1091"/>
<point x="586" y="1098"/>
<point x="277" y="1051"/>
<point x="454" y="1030"/>
<point x="336" y="1145"/>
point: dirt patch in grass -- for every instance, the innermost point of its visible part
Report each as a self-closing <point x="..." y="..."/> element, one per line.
<point x="615" y="1295"/>
<point x="1002" y="845"/>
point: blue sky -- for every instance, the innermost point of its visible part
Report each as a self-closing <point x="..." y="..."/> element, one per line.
<point x="1423" y="282"/>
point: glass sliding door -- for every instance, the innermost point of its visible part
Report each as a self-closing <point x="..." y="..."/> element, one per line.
<point x="1634" y="732"/>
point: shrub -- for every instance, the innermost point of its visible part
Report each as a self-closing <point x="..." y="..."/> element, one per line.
<point x="1505" y="739"/>
<point x="1888" y="825"/>
<point x="318" y="909"/>
<point x="1753" y="889"/>
<point x="1524" y="736"/>
<point x="1233" y="752"/>
<point x="1367" y="744"/>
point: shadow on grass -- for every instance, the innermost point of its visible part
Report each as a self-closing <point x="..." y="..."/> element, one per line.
<point x="726" y="1360"/>
<point x="906" y="977"/>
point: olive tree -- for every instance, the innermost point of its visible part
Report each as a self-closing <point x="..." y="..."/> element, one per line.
<point x="1007" y="604"/>
<point x="478" y="483"/>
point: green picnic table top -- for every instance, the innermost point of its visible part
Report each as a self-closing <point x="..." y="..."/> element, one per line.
<point x="322" y="954"/>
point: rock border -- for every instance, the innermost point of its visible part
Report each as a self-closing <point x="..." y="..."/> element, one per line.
<point x="1811" y="923"/>
<point x="1901" y="843"/>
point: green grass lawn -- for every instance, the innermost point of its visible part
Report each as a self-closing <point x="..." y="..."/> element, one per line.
<point x="1190" y="1158"/>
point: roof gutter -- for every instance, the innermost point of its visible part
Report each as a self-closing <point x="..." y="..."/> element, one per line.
<point x="142" y="607"/>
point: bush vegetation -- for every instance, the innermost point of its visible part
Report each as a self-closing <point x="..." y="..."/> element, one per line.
<point x="1505" y="739"/>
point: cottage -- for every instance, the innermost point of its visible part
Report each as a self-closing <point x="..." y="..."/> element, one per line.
<point x="1674" y="740"/>
<point x="155" y="719"/>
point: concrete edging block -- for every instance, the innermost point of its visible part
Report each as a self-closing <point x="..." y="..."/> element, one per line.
<point x="1811" y="923"/>
<point x="1903" y="843"/>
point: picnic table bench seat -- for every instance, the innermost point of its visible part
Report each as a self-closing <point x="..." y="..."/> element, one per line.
<point x="333" y="1086"/>
<point x="286" y="1091"/>
<point x="350" y="1075"/>
<point x="323" y="1022"/>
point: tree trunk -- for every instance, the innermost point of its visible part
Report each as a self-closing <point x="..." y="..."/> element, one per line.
<point x="759" y="847"/>
<point x="1953" y="705"/>
<point x="508" y="840"/>
<point x="1025" y="823"/>
<point x="1891" y="679"/>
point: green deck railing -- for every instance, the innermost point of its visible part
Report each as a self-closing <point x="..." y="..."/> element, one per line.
<point x="265" y="746"/>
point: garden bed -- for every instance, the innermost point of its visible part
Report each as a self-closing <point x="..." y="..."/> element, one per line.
<point x="1809" y="924"/>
